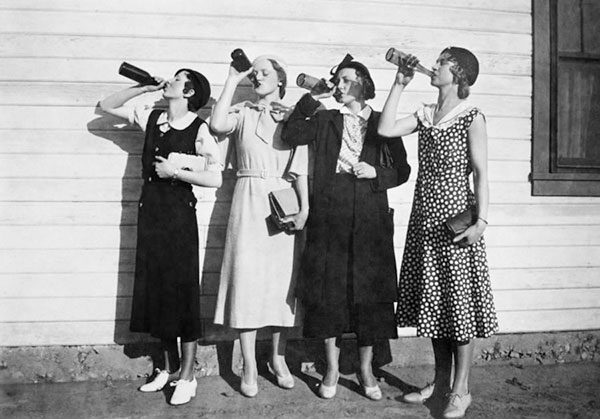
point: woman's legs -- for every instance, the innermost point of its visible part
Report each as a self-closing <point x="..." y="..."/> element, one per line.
<point x="248" y="346"/>
<point x="170" y="355"/>
<point x="365" y="354"/>
<point x="188" y="355"/>
<point x="463" y="356"/>
<point x="332" y="355"/>
<point x="442" y="351"/>
<point x="278" y="363"/>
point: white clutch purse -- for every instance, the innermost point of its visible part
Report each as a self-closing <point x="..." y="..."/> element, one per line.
<point x="189" y="162"/>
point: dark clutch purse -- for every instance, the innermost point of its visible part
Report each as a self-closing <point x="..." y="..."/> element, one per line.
<point x="284" y="203"/>
<point x="460" y="222"/>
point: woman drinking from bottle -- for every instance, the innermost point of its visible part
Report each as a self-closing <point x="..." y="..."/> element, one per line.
<point x="166" y="292"/>
<point x="258" y="273"/>
<point x="444" y="289"/>
<point x="348" y="271"/>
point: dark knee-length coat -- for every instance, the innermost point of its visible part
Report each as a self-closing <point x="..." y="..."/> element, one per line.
<point x="373" y="265"/>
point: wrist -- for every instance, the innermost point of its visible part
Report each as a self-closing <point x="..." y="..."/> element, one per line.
<point x="175" y="174"/>
<point x="481" y="223"/>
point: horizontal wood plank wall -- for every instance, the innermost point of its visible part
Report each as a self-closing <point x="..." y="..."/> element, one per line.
<point x="69" y="176"/>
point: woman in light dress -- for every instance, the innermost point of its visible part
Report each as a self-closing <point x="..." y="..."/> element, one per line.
<point x="258" y="274"/>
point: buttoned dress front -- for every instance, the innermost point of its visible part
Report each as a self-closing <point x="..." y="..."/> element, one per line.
<point x="260" y="263"/>
<point x="166" y="292"/>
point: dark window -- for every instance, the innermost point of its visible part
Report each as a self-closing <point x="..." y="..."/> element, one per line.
<point x="566" y="97"/>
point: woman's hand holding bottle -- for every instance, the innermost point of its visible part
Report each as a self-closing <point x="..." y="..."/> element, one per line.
<point x="406" y="70"/>
<point x="236" y="77"/>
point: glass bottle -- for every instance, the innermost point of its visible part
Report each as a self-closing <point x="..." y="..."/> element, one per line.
<point x="137" y="74"/>
<point x="395" y="56"/>
<point x="241" y="63"/>
<point x="314" y="85"/>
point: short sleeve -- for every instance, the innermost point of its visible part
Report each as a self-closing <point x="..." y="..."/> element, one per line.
<point x="299" y="164"/>
<point x="139" y="115"/>
<point x="237" y="112"/>
<point x="473" y="113"/>
<point x="424" y="115"/>
<point x="206" y="146"/>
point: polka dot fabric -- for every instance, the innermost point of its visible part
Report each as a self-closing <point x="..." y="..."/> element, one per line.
<point x="444" y="290"/>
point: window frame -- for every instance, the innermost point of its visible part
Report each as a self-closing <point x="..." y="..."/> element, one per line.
<point x="545" y="62"/>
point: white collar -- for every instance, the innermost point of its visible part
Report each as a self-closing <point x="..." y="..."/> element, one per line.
<point x="364" y="114"/>
<point x="179" y="123"/>
<point x="427" y="111"/>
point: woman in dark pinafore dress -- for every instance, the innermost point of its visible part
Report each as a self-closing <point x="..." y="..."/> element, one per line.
<point x="166" y="294"/>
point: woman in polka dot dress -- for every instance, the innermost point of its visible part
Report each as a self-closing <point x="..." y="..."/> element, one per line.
<point x="444" y="288"/>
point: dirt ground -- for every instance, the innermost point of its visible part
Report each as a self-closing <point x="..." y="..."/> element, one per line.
<point x="569" y="390"/>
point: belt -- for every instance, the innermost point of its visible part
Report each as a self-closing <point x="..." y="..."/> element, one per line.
<point x="263" y="174"/>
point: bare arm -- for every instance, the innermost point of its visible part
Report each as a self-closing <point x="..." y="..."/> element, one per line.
<point x="478" y="154"/>
<point x="113" y="104"/>
<point x="208" y="178"/>
<point x="221" y="122"/>
<point x="299" y="220"/>
<point x="389" y="126"/>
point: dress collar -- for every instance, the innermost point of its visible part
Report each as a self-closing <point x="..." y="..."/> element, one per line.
<point x="364" y="114"/>
<point x="427" y="111"/>
<point x="179" y="123"/>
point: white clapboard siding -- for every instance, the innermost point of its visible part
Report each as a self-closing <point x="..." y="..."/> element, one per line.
<point x="116" y="49"/>
<point x="70" y="175"/>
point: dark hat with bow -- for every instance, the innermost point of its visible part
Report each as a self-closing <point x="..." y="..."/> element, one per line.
<point x="348" y="62"/>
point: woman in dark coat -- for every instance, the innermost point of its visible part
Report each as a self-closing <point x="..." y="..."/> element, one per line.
<point x="348" y="275"/>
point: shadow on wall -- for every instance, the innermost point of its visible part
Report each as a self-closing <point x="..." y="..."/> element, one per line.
<point x="131" y="141"/>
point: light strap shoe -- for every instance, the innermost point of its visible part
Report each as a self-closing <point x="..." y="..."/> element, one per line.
<point x="184" y="391"/>
<point x="419" y="397"/>
<point x="328" y="392"/>
<point x="248" y="390"/>
<point x="286" y="382"/>
<point x="457" y="405"/>
<point x="373" y="393"/>
<point x="161" y="378"/>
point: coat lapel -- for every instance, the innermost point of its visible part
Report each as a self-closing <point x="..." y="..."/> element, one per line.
<point x="336" y="124"/>
<point x="370" y="140"/>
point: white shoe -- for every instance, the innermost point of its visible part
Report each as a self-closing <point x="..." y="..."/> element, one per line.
<point x="286" y="382"/>
<point x="420" y="396"/>
<point x="457" y="405"/>
<point x="184" y="391"/>
<point x="328" y="392"/>
<point x="248" y="390"/>
<point x="161" y="377"/>
<point x="373" y="393"/>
